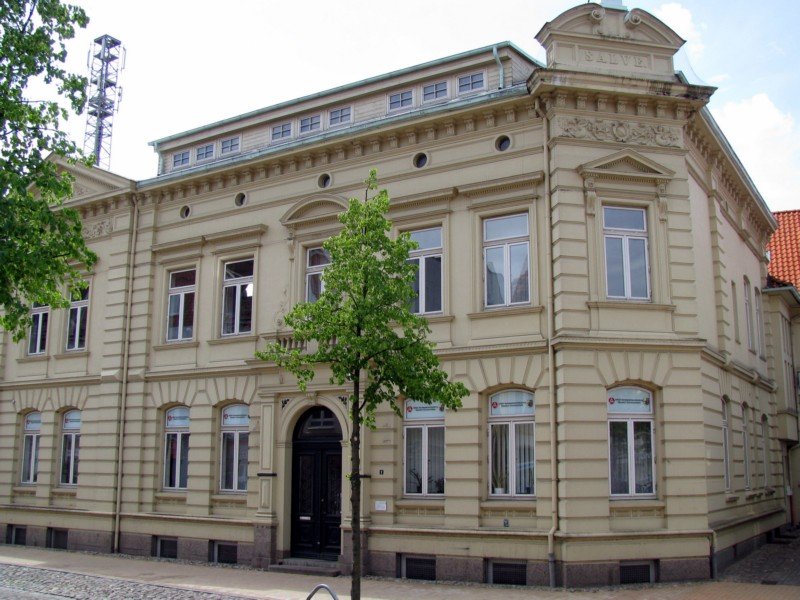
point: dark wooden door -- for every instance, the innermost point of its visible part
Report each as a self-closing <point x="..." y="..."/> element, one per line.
<point x="317" y="487"/>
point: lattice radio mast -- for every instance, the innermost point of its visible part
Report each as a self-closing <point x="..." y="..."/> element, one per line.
<point x="106" y="60"/>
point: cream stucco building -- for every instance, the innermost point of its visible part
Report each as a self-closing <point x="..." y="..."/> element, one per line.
<point x="592" y="265"/>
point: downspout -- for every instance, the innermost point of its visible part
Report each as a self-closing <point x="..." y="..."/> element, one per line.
<point x="132" y="239"/>
<point x="551" y="354"/>
<point x="500" y="68"/>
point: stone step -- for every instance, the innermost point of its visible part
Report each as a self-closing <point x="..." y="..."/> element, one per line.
<point x="304" y="566"/>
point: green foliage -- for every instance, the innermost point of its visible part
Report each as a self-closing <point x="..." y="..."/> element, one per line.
<point x="41" y="246"/>
<point x="362" y="322"/>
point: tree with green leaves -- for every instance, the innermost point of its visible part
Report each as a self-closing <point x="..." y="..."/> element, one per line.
<point x="41" y="243"/>
<point x="361" y="327"/>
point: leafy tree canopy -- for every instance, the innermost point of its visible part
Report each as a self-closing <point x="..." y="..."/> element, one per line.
<point x="41" y="246"/>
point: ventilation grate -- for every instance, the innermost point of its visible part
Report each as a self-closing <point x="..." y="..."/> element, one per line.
<point x="225" y="553"/>
<point x="509" y="573"/>
<point x="167" y="548"/>
<point x="420" y="568"/>
<point x="57" y="538"/>
<point x="636" y="573"/>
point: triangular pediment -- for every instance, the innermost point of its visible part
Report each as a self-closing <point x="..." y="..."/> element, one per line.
<point x="627" y="164"/>
<point x="314" y="210"/>
<point x="92" y="182"/>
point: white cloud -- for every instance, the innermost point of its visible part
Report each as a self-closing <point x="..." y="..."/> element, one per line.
<point x="766" y="141"/>
<point x="680" y="19"/>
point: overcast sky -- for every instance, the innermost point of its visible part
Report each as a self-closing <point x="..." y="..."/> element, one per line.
<point x="193" y="63"/>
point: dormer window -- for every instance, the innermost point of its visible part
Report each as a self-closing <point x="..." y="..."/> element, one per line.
<point x="470" y="83"/>
<point x="180" y="159"/>
<point x="230" y="146"/>
<point x="434" y="91"/>
<point x="309" y="124"/>
<point x="279" y="132"/>
<point x="339" y="116"/>
<point x="400" y="100"/>
<point x="205" y="152"/>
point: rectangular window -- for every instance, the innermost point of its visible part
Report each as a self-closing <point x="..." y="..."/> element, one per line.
<point x="735" y="303"/>
<point x="511" y="444"/>
<point x="308" y="124"/>
<point x="32" y="425"/>
<point x="37" y="339"/>
<point x="237" y="298"/>
<point x="505" y="256"/>
<point x="627" y="266"/>
<point x="70" y="447"/>
<point x="316" y="261"/>
<point x="726" y="456"/>
<point x="765" y="450"/>
<point x="748" y="316"/>
<point x="339" y="116"/>
<point x="180" y="159"/>
<point x="279" y="132"/>
<point x="762" y="344"/>
<point x="235" y="429"/>
<point x="428" y="279"/>
<point x="230" y="146"/>
<point x="470" y="83"/>
<point x="176" y="448"/>
<point x="434" y="91"/>
<point x="630" y="441"/>
<point x="746" y="446"/>
<point x="401" y="100"/>
<point x="78" y="320"/>
<point x="205" y="152"/>
<point x="180" y="305"/>
<point x="424" y="448"/>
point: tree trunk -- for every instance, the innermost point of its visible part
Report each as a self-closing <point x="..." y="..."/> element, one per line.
<point x="355" y="488"/>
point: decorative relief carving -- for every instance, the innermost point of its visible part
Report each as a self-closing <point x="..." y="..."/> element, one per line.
<point x="619" y="131"/>
<point x="97" y="229"/>
<point x="590" y="195"/>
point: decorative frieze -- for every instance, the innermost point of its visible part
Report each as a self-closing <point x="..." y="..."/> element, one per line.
<point x="606" y="130"/>
<point x="97" y="229"/>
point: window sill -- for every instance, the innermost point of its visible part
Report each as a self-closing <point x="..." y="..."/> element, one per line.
<point x="33" y="358"/>
<point x="230" y="498"/>
<point x="628" y="304"/>
<point x="72" y="354"/>
<point x="420" y="502"/>
<point x="175" y="497"/>
<point x="769" y="491"/>
<point x="637" y="503"/>
<point x="506" y="501"/>
<point x="731" y="498"/>
<point x="173" y="345"/>
<point x="504" y="311"/>
<point x="232" y="339"/>
<point x="753" y="495"/>
<point x="24" y="489"/>
<point x="65" y="491"/>
<point x="438" y="318"/>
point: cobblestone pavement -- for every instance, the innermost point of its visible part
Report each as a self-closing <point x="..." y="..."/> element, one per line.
<point x="772" y="564"/>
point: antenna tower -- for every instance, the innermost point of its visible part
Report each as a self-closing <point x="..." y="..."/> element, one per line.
<point x="106" y="60"/>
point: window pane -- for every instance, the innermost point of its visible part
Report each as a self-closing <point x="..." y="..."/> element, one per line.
<point x="173" y="317"/>
<point x="415" y="286"/>
<point x="229" y="309"/>
<point x="318" y="257"/>
<point x="614" y="267"/>
<point x="523" y="455"/>
<point x="182" y="278"/>
<point x="227" y="458"/>
<point x="643" y="457"/>
<point x="184" y="466"/>
<point x="428" y="238"/>
<point x="170" y="459"/>
<point x="82" y="323"/>
<point x="623" y="218"/>
<point x="637" y="249"/>
<point x="499" y="435"/>
<point x="66" y="458"/>
<point x="245" y="308"/>
<point x="35" y="458"/>
<point x="618" y="440"/>
<point x="27" y="458"/>
<point x="413" y="460"/>
<point x="436" y="460"/>
<point x="76" y="454"/>
<point x="506" y="227"/>
<point x="188" y="315"/>
<point x="518" y="257"/>
<point x="244" y="439"/>
<point x="243" y="268"/>
<point x="495" y="282"/>
<point x="72" y="328"/>
<point x="433" y="284"/>
<point x="313" y="287"/>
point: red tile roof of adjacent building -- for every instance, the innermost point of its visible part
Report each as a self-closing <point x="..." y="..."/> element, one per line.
<point x="784" y="248"/>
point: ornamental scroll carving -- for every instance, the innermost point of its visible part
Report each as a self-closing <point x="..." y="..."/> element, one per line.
<point x="97" y="229"/>
<point x="618" y="131"/>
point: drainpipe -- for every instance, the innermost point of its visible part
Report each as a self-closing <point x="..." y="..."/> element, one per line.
<point x="126" y="340"/>
<point x="551" y="354"/>
<point x="500" y="68"/>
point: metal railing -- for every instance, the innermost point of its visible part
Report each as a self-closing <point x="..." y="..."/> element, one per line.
<point x="322" y="586"/>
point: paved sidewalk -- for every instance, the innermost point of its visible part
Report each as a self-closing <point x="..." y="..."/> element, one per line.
<point x="27" y="572"/>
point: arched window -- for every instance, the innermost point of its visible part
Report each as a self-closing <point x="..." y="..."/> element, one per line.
<point x="70" y="447"/>
<point x="31" y="426"/>
<point x="424" y="448"/>
<point x="235" y="429"/>
<point x="630" y="440"/>
<point x="176" y="448"/>
<point x="726" y="456"/>
<point x="511" y="444"/>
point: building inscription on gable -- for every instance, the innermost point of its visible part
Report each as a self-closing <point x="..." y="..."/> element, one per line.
<point x="606" y="130"/>
<point x="614" y="59"/>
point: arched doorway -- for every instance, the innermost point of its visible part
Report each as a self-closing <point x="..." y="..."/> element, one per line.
<point x="317" y="485"/>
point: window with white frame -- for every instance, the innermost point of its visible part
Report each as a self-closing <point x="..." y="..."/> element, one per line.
<point x="230" y="145"/>
<point x="400" y="100"/>
<point x="424" y="448"/>
<point x="37" y="338"/>
<point x="746" y="445"/>
<point x="788" y="363"/>
<point x="427" y="282"/>
<point x="180" y="305"/>
<point x="726" y="450"/>
<point x="765" y="449"/>
<point x="470" y="83"/>
<point x="70" y="447"/>
<point x="235" y="429"/>
<point x="511" y="444"/>
<point x="317" y="259"/>
<point x="630" y="442"/>
<point x="180" y="159"/>
<point x="176" y="448"/>
<point x="735" y="304"/>
<point x="762" y="345"/>
<point x="204" y="152"/>
<point x="282" y="131"/>
<point x="308" y="124"/>
<point x="627" y="263"/>
<point x="748" y="315"/>
<point x="339" y="116"/>
<point x="434" y="91"/>
<point x="237" y="297"/>
<point x="31" y="427"/>
<point x="506" y="262"/>
<point x="78" y="319"/>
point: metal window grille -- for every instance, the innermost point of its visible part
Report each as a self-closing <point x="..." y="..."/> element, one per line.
<point x="417" y="567"/>
<point x="509" y="573"/>
<point x="636" y="573"/>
